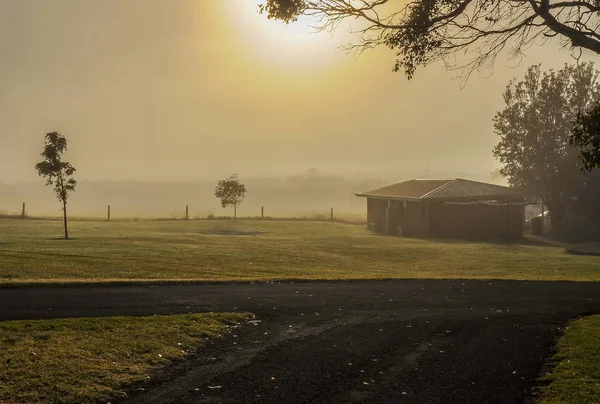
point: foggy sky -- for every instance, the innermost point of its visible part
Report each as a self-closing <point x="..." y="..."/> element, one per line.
<point x="197" y="89"/>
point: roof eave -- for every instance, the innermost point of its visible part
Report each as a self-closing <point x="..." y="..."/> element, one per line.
<point x="388" y="197"/>
<point x="438" y="199"/>
<point x="477" y="198"/>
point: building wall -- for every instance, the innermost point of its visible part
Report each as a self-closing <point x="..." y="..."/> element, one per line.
<point x="396" y="217"/>
<point x="376" y="214"/>
<point x="476" y="221"/>
<point x="439" y="220"/>
<point x="385" y="222"/>
<point x="417" y="224"/>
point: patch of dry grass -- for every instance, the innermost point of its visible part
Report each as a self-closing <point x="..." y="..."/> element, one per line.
<point x="95" y="359"/>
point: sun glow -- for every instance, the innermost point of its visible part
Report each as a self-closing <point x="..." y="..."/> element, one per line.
<point x="294" y="45"/>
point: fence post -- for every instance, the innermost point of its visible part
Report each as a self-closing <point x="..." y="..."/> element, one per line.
<point x="262" y="212"/>
<point x="543" y="216"/>
<point x="332" y="214"/>
<point x="108" y="214"/>
<point x="23" y="210"/>
<point x="187" y="212"/>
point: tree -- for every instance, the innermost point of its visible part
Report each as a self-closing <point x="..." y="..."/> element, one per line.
<point x="534" y="128"/>
<point x="231" y="193"/>
<point x="587" y="197"/>
<point x="57" y="172"/>
<point x="586" y="137"/>
<point x="421" y="32"/>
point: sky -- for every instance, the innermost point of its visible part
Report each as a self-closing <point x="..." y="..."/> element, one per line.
<point x="199" y="89"/>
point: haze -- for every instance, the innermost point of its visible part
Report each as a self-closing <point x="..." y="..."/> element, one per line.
<point x="194" y="90"/>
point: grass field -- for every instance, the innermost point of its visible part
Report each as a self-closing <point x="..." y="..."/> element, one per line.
<point x="576" y="377"/>
<point x="32" y="251"/>
<point x="95" y="359"/>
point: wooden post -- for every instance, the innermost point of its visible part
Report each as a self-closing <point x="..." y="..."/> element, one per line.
<point x="332" y="214"/>
<point x="405" y="224"/>
<point x="507" y="223"/>
<point x="262" y="212"/>
<point x="108" y="214"/>
<point x="542" y="231"/>
<point x="387" y="217"/>
<point x="23" y="210"/>
<point x="187" y="212"/>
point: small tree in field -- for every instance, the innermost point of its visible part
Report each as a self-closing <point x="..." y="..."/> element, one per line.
<point x="57" y="172"/>
<point x="231" y="193"/>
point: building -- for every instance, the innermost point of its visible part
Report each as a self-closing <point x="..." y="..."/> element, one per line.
<point x="455" y="208"/>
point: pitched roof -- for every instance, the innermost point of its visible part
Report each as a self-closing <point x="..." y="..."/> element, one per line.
<point x="409" y="189"/>
<point x="441" y="189"/>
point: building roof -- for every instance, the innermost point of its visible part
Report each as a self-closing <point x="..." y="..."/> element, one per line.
<point x="453" y="189"/>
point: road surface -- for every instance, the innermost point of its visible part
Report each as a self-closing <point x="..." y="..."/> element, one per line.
<point x="410" y="341"/>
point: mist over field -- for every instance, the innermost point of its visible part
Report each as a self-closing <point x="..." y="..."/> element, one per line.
<point x="304" y="195"/>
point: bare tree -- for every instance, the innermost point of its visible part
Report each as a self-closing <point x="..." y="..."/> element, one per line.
<point x="424" y="31"/>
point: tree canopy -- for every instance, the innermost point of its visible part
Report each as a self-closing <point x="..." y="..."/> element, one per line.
<point x="56" y="171"/>
<point x="586" y="137"/>
<point x="534" y="129"/>
<point x="421" y="32"/>
<point x="231" y="193"/>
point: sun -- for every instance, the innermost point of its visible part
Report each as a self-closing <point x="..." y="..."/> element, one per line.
<point x="296" y="44"/>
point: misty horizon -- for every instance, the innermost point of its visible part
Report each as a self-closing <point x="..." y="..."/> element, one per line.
<point x="145" y="90"/>
<point x="306" y="194"/>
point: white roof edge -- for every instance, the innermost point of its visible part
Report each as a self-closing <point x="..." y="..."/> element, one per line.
<point x="439" y="188"/>
<point x="387" y="197"/>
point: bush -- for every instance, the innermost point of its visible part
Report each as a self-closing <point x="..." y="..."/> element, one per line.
<point x="577" y="229"/>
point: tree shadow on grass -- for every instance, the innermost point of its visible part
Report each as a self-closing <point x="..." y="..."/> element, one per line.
<point x="517" y="242"/>
<point x="591" y="249"/>
<point x="233" y="232"/>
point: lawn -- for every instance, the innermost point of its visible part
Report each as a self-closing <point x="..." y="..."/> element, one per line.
<point x="31" y="251"/>
<point x="576" y="377"/>
<point x="95" y="359"/>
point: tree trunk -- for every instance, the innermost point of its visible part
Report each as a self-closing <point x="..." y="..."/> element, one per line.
<point x="65" y="219"/>
<point x="235" y="213"/>
<point x="557" y="212"/>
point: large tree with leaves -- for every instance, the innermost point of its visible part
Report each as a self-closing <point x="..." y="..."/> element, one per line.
<point x="57" y="172"/>
<point x="534" y="129"/>
<point x="420" y="32"/>
<point x="586" y="137"/>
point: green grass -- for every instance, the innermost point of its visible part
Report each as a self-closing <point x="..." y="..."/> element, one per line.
<point x="576" y="377"/>
<point x="31" y="251"/>
<point x="95" y="359"/>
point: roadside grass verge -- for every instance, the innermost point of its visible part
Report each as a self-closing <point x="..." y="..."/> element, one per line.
<point x="95" y="359"/>
<point x="575" y="378"/>
<point x="205" y="250"/>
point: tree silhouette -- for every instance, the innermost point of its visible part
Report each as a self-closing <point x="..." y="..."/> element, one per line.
<point x="57" y="172"/>
<point x="534" y="129"/>
<point x="231" y="193"/>
<point x="420" y="32"/>
<point x="586" y="137"/>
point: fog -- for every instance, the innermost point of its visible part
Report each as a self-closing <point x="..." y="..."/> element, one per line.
<point x="156" y="92"/>
<point x="307" y="195"/>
